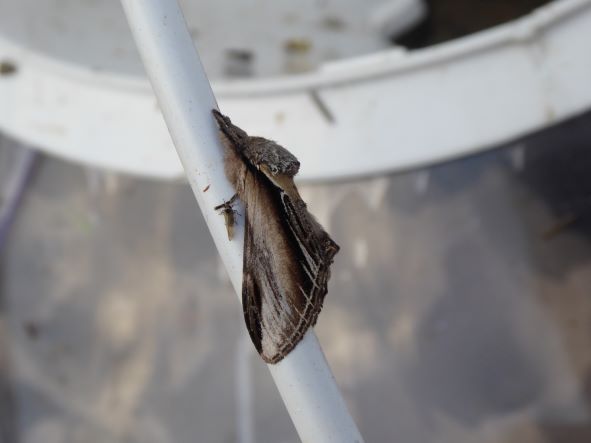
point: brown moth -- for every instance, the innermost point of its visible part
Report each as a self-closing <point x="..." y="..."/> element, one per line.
<point x="287" y="254"/>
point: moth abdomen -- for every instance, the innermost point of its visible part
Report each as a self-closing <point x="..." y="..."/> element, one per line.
<point x="234" y="134"/>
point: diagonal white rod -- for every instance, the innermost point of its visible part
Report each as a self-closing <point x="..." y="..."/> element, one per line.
<point x="303" y="378"/>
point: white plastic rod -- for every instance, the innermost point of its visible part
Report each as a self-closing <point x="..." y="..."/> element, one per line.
<point x="303" y="378"/>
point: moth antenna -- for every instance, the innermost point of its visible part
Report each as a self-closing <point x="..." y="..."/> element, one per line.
<point x="231" y="131"/>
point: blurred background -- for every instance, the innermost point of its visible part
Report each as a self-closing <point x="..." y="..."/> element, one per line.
<point x="459" y="308"/>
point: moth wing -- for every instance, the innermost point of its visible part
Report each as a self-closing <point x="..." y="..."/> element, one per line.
<point x="287" y="256"/>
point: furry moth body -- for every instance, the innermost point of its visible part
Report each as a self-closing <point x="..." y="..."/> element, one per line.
<point x="287" y="254"/>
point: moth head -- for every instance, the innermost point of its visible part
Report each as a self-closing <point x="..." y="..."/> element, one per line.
<point x="271" y="158"/>
<point x="265" y="155"/>
<point x="236" y="135"/>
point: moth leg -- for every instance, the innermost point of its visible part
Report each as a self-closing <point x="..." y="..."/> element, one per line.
<point x="233" y="199"/>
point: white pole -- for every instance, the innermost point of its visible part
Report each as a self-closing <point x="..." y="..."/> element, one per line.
<point x="303" y="378"/>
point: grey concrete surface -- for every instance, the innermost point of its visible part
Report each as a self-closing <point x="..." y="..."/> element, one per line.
<point x="459" y="309"/>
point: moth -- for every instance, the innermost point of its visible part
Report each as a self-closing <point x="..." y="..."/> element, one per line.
<point x="287" y="254"/>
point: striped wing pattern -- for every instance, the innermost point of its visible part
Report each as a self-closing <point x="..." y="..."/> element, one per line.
<point x="286" y="268"/>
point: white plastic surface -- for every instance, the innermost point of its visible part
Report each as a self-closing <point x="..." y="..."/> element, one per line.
<point x="388" y="110"/>
<point x="303" y="377"/>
